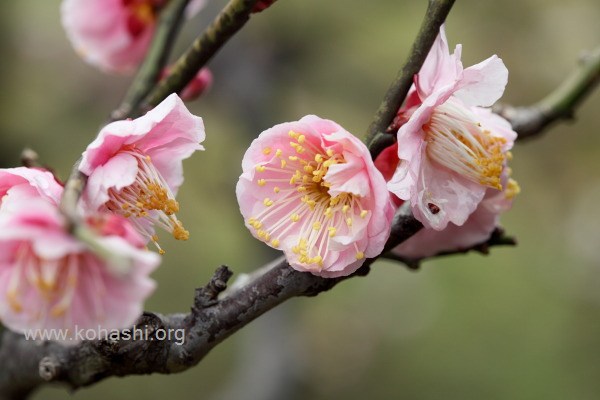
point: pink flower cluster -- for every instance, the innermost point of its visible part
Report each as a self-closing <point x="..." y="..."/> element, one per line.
<point x="311" y="189"/>
<point x="52" y="279"/>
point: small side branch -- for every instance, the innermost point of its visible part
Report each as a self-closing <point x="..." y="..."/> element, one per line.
<point x="71" y="195"/>
<point x="560" y="104"/>
<point x="231" y="19"/>
<point x="207" y="296"/>
<point x="377" y="138"/>
<point x="497" y="238"/>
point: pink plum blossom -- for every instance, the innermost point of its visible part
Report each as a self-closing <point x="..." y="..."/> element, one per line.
<point x="50" y="280"/>
<point x="28" y="182"/>
<point x="311" y="189"/>
<point x="134" y="167"/>
<point x="451" y="150"/>
<point x="114" y="35"/>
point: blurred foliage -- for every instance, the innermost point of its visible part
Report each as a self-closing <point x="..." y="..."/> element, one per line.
<point x="522" y="323"/>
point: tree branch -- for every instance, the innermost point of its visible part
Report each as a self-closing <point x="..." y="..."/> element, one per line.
<point x="148" y="75"/>
<point x="71" y="195"/>
<point x="497" y="238"/>
<point x="560" y="104"/>
<point x="377" y="138"/>
<point x="27" y="365"/>
<point x="231" y="19"/>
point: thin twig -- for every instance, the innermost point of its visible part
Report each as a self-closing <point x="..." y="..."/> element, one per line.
<point x="71" y="195"/>
<point x="377" y="138"/>
<point x="497" y="238"/>
<point x="230" y="20"/>
<point x="560" y="104"/>
<point x="148" y="75"/>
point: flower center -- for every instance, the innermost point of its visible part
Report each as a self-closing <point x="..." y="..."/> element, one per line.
<point x="147" y="201"/>
<point x="140" y="14"/>
<point x="55" y="281"/>
<point x="299" y="205"/>
<point x="457" y="142"/>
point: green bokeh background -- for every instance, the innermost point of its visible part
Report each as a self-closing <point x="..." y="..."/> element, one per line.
<point x="522" y="323"/>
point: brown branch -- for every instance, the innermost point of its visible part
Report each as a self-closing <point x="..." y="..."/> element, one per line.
<point x="559" y="105"/>
<point x="377" y="137"/>
<point x="28" y="365"/>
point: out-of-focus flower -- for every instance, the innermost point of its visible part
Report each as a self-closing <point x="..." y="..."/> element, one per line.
<point x="450" y="149"/>
<point x="135" y="167"/>
<point x="24" y="183"/>
<point x="50" y="280"/>
<point x="114" y="35"/>
<point x="199" y="85"/>
<point x="311" y="189"/>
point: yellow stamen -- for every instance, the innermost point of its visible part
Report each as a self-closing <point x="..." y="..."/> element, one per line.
<point x="456" y="141"/>
<point x="149" y="198"/>
<point x="512" y="189"/>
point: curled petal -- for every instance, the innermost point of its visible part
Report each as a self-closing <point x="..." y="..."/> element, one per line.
<point x="483" y="84"/>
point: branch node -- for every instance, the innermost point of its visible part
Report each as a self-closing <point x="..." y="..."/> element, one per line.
<point x="30" y="158"/>
<point x="207" y="296"/>
<point x="49" y="368"/>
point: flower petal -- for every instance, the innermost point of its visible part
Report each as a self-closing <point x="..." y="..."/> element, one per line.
<point x="443" y="197"/>
<point x="483" y="84"/>
<point x="118" y="172"/>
